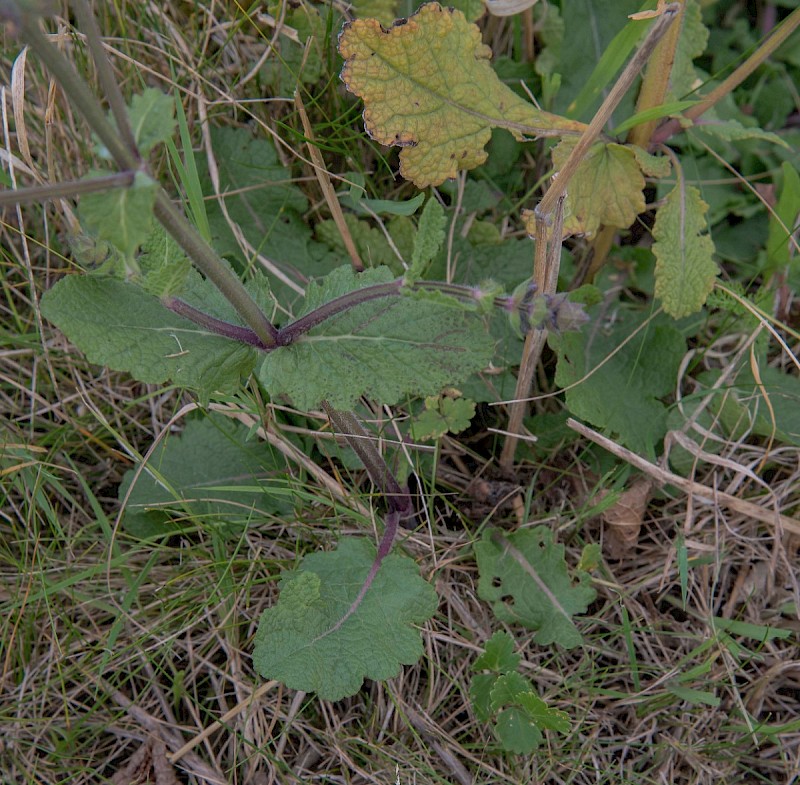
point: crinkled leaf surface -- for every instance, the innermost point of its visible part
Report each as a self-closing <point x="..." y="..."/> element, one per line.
<point x="301" y="643"/>
<point x="152" y="118"/>
<point x="386" y="348"/>
<point x="685" y="267"/>
<point x="621" y="392"/>
<point x="164" y="266"/>
<point x="527" y="582"/>
<point x="122" y="216"/>
<point x="210" y="471"/>
<point x="605" y="189"/>
<point x="428" y="87"/>
<point x="120" y="325"/>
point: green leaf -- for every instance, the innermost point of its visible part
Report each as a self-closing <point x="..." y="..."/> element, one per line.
<point x="386" y="348"/>
<point x="542" y="715"/>
<point x="498" y="655"/>
<point x="615" y="383"/>
<point x="165" y="267"/>
<point x="480" y="694"/>
<point x="443" y="414"/>
<point x="303" y="642"/>
<point x="685" y="268"/>
<point x="152" y="119"/>
<point x="122" y="216"/>
<point x="654" y="113"/>
<point x="527" y="582"/>
<point x="517" y="732"/>
<point x="385" y="11"/>
<point x="371" y="243"/>
<point x="606" y="188"/>
<point x="507" y="690"/>
<point x="787" y="211"/>
<point x="210" y="472"/>
<point x="428" y="87"/>
<point x="429" y="237"/>
<point x="300" y="61"/>
<point x="734" y="131"/>
<point x="683" y="78"/>
<point x="118" y="324"/>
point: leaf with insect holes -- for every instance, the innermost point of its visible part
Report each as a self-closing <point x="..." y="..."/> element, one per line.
<point x="152" y="119"/>
<point x="311" y="641"/>
<point x="606" y="188"/>
<point x="614" y="381"/>
<point x="118" y="324"/>
<point x="428" y="87"/>
<point x="387" y="348"/>
<point x="525" y="577"/>
<point x="122" y="216"/>
<point x="210" y="472"/>
<point x="685" y="267"/>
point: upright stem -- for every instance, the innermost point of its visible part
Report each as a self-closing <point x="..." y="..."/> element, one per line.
<point x="201" y="254"/>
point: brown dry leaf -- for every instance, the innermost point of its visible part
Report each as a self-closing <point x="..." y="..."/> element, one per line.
<point x="148" y="764"/>
<point x="624" y="518"/>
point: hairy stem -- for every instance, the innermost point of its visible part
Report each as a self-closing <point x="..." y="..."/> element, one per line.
<point x="43" y="193"/>
<point x="212" y="324"/>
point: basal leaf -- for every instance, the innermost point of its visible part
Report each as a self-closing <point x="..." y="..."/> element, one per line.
<point x="685" y="267"/>
<point x="118" y="324"/>
<point x="615" y="383"/>
<point x="606" y="189"/>
<point x="542" y="715"/>
<point x="787" y="211"/>
<point x="527" y="582"/>
<point x="303" y="642"/>
<point x="122" y="216"/>
<point x="516" y="731"/>
<point x="480" y="694"/>
<point x="371" y="243"/>
<point x="443" y="414"/>
<point x="152" y="118"/>
<point x="164" y="266"/>
<point x="212" y="472"/>
<point x="386" y="348"/>
<point x="428" y="87"/>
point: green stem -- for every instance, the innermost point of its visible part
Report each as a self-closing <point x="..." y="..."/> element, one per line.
<point x="201" y="253"/>
<point x="43" y="193"/>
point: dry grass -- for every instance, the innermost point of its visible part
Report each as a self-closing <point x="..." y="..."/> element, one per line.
<point x="114" y="649"/>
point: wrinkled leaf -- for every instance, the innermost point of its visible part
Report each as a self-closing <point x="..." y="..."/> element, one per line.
<point x="118" y="324"/>
<point x="299" y="640"/>
<point x="428" y="87"/>
<point x="386" y="348"/>
<point x="685" y="267"/>
<point x="620" y="392"/>
<point x="606" y="188"/>
<point x="211" y="472"/>
<point x="527" y="582"/>
<point x="122" y="216"/>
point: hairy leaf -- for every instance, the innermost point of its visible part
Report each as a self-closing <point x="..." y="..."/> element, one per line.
<point x="615" y="383"/>
<point x="386" y="348"/>
<point x="734" y="131"/>
<point x="211" y="471"/>
<point x="123" y="216"/>
<point x="429" y="237"/>
<point x="303" y="642"/>
<point x="526" y="580"/>
<point x="152" y="118"/>
<point x="371" y="243"/>
<point x="118" y="324"/>
<point x="691" y="44"/>
<point x="428" y="87"/>
<point x="164" y="266"/>
<point x="685" y="267"/>
<point x="605" y="189"/>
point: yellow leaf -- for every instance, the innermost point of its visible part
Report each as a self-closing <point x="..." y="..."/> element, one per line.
<point x="606" y="188"/>
<point x="428" y="87"/>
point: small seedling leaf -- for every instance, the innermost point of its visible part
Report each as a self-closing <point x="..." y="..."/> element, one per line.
<point x="428" y="87"/>
<point x="152" y="119"/>
<point x="211" y="471"/>
<point x="516" y="731"/>
<point x="480" y="694"/>
<point x="685" y="268"/>
<point x="118" y="324"/>
<point x="303" y="642"/>
<point x="386" y="348"/>
<point x="525" y="577"/>
<point x="542" y="715"/>
<point x="442" y="415"/>
<point x="122" y="216"/>
<point x="498" y="656"/>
